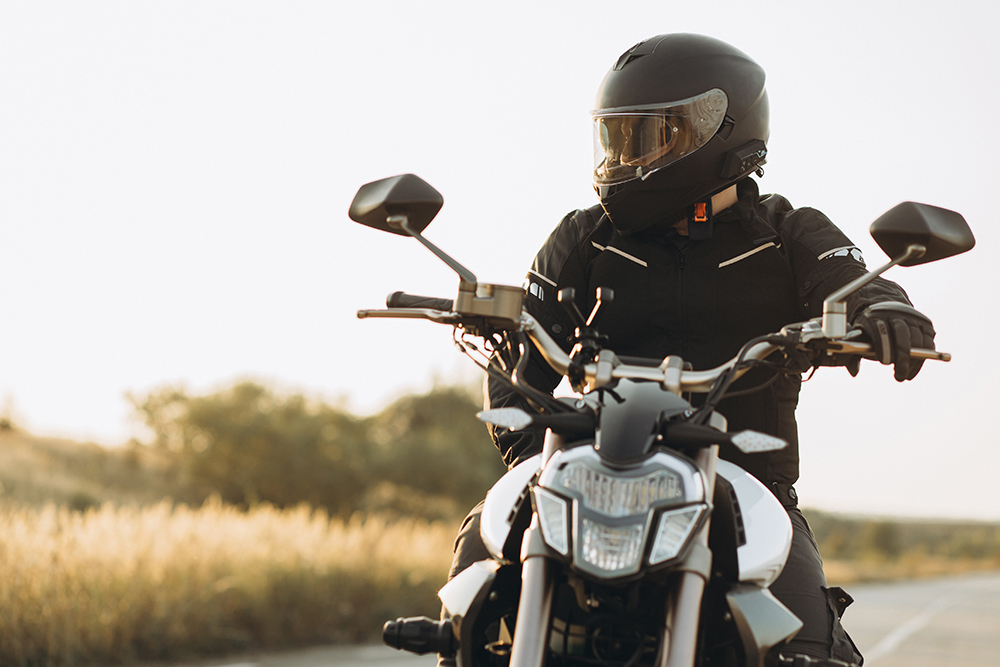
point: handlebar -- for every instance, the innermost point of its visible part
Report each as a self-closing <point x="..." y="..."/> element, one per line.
<point x="609" y="367"/>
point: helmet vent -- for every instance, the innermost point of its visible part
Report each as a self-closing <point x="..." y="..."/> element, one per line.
<point x="643" y="48"/>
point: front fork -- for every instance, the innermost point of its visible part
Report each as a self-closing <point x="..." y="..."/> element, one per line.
<point x="534" y="610"/>
<point x="680" y="637"/>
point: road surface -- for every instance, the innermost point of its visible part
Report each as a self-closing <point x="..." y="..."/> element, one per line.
<point x="938" y="623"/>
<point x="952" y="622"/>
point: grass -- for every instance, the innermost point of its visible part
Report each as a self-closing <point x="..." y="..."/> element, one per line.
<point x="114" y="584"/>
<point x="99" y="569"/>
<point x="907" y="567"/>
<point x="124" y="584"/>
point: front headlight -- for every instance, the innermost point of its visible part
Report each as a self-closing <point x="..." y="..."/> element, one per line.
<point x="610" y="549"/>
<point x="613" y="509"/>
<point x="615" y="496"/>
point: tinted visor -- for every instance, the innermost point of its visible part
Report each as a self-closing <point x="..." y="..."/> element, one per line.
<point x="634" y="142"/>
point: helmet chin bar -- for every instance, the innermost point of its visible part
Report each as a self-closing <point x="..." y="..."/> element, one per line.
<point x="635" y="206"/>
<point x="626" y="206"/>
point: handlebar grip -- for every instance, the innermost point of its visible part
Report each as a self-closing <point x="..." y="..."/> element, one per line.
<point x="404" y="300"/>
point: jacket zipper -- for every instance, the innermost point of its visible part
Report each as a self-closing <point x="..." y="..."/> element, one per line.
<point x="681" y="261"/>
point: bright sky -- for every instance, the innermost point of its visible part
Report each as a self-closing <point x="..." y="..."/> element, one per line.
<point x="175" y="177"/>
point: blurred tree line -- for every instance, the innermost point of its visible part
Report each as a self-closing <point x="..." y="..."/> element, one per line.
<point x="423" y="455"/>
<point x="852" y="538"/>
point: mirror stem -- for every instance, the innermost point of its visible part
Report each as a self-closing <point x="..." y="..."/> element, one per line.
<point x="469" y="280"/>
<point x="835" y="305"/>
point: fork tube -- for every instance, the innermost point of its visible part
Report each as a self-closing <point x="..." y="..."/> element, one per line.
<point x="531" y="632"/>
<point x="682" y="630"/>
<point x="534" y="609"/>
<point x="684" y="610"/>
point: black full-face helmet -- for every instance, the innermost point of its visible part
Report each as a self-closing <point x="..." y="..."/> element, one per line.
<point x="678" y="118"/>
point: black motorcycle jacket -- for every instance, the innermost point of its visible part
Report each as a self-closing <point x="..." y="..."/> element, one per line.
<point x="765" y="265"/>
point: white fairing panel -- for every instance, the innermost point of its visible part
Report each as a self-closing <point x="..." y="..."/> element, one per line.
<point x="768" y="529"/>
<point x="459" y="593"/>
<point x="500" y="501"/>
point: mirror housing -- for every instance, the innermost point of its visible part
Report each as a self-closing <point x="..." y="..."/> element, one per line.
<point x="405" y="205"/>
<point x="910" y="234"/>
<point x="943" y="233"/>
<point x="380" y="203"/>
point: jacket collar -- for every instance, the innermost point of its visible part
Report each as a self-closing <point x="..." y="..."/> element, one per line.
<point x="748" y="212"/>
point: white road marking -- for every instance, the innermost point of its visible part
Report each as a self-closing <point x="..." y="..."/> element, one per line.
<point x="891" y="641"/>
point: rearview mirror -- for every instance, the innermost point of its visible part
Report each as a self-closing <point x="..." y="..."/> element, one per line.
<point x="942" y="232"/>
<point x="910" y="234"/>
<point x="405" y="205"/>
<point x="406" y="196"/>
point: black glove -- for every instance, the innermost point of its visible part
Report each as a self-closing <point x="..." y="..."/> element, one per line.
<point x="893" y="329"/>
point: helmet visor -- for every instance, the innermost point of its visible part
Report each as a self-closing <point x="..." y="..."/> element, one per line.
<point x="634" y="142"/>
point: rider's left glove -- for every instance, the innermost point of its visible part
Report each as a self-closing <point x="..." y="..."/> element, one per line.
<point x="893" y="329"/>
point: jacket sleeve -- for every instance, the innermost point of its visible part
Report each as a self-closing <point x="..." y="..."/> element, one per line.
<point x="516" y="446"/>
<point x="823" y="259"/>
<point x="561" y="262"/>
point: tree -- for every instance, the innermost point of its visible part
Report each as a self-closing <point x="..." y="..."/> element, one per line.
<point x="433" y="444"/>
<point x="424" y="454"/>
<point x="883" y="538"/>
<point x="249" y="445"/>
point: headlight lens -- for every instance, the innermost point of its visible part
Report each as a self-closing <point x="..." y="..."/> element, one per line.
<point x="615" y="496"/>
<point x="613" y="509"/>
<point x="611" y="548"/>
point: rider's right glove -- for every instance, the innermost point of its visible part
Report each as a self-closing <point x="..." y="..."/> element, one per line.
<point x="893" y="329"/>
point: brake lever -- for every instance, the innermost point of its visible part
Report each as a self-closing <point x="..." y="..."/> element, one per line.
<point x="865" y="350"/>
<point x="810" y="338"/>
<point x="440" y="316"/>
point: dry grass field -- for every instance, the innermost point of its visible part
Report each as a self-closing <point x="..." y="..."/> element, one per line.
<point x="104" y="563"/>
<point x="118" y="584"/>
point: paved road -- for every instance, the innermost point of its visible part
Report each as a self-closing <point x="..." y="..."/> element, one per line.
<point x="939" y="623"/>
<point x="951" y="622"/>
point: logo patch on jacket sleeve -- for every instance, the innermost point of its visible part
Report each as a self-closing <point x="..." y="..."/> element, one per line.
<point x="847" y="251"/>
<point x="536" y="290"/>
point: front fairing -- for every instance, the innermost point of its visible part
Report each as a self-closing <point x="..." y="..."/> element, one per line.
<point x="625" y="451"/>
<point x="767" y="529"/>
<point x="504" y="504"/>
<point x="628" y="417"/>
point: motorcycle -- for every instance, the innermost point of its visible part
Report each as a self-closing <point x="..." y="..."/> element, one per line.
<point x="627" y="541"/>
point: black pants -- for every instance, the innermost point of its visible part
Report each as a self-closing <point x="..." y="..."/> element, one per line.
<point x="801" y="587"/>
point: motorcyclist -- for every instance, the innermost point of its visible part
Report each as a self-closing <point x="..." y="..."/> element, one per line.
<point x="699" y="264"/>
